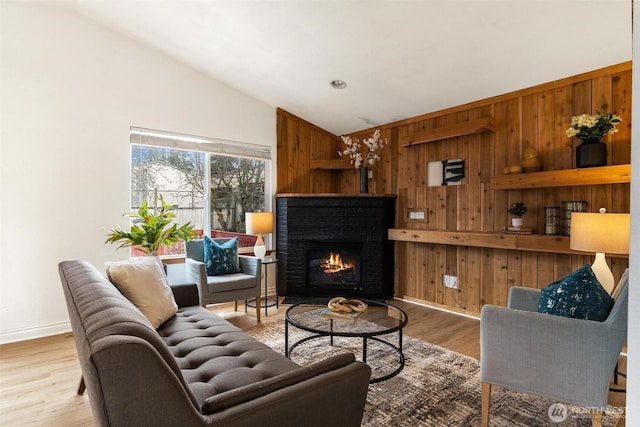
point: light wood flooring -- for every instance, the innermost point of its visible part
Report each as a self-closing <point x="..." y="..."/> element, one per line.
<point x="39" y="378"/>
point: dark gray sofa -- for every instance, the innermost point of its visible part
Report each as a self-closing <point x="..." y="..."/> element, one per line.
<point x="196" y="369"/>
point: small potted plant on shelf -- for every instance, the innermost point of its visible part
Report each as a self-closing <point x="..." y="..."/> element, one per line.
<point x="150" y="231"/>
<point x="517" y="210"/>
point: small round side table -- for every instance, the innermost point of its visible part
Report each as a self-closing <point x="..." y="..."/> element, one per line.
<point x="265" y="301"/>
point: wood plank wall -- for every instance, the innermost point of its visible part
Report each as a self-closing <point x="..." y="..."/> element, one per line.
<point x="536" y="116"/>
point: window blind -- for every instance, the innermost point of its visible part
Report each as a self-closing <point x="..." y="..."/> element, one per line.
<point x="178" y="141"/>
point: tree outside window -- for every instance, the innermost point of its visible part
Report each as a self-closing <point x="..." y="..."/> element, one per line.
<point x="236" y="186"/>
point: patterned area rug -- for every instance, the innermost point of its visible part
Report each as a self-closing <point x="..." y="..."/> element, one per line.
<point x="437" y="387"/>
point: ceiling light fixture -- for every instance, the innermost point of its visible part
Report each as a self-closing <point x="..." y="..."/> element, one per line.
<point x="338" y="84"/>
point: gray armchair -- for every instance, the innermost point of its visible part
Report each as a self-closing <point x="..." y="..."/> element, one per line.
<point x="563" y="359"/>
<point x="224" y="287"/>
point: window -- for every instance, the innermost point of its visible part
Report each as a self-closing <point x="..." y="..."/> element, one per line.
<point x="211" y="183"/>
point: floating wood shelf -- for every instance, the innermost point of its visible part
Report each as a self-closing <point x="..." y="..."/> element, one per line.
<point x="518" y="242"/>
<point x="330" y="164"/>
<point x="616" y="174"/>
<point x="459" y="129"/>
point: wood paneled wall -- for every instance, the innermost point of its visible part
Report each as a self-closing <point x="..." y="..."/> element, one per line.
<point x="536" y="116"/>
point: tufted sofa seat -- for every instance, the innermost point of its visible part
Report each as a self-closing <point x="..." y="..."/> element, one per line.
<point x="196" y="369"/>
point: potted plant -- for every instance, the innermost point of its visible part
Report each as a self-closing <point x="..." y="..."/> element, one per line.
<point x="517" y="210"/>
<point x="591" y="129"/>
<point x="150" y="231"/>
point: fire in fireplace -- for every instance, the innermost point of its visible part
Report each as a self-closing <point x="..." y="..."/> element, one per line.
<point x="334" y="266"/>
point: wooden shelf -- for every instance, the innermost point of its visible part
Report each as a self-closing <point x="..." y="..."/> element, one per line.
<point x="616" y="174"/>
<point x="452" y="131"/>
<point x="331" y="164"/>
<point x="518" y="242"/>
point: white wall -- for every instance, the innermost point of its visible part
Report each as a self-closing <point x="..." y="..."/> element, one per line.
<point x="633" y="336"/>
<point x="70" y="90"/>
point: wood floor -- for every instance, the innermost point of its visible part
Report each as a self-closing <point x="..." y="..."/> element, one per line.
<point x="39" y="378"/>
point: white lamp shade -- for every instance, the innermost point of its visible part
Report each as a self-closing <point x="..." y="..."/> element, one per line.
<point x="259" y="222"/>
<point x="600" y="232"/>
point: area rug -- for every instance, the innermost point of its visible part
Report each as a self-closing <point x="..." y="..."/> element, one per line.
<point x="437" y="387"/>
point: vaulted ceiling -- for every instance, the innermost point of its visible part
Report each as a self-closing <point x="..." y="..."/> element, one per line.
<point x="399" y="58"/>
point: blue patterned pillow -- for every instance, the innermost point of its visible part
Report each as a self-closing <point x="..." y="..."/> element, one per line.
<point x="578" y="295"/>
<point x="221" y="259"/>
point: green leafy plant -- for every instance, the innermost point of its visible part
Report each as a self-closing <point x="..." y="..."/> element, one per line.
<point x="517" y="209"/>
<point x="150" y="231"/>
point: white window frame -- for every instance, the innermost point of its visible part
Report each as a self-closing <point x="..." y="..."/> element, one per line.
<point x="207" y="145"/>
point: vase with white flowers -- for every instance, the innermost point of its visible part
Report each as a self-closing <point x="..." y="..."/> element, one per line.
<point x="591" y="129"/>
<point x="364" y="154"/>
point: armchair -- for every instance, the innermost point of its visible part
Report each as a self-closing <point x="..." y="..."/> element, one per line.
<point x="224" y="287"/>
<point x="559" y="358"/>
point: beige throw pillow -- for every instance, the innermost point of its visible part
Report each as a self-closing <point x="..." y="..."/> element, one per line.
<point x="143" y="282"/>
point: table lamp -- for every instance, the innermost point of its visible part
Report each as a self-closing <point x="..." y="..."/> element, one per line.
<point x="601" y="233"/>
<point x="259" y="223"/>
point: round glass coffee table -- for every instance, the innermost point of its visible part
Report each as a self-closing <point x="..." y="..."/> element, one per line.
<point x="374" y="324"/>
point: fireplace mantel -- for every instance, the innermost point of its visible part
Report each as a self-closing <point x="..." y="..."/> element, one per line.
<point x="306" y="221"/>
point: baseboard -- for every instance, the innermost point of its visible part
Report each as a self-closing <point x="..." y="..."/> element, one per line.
<point x="25" y="334"/>
<point x="437" y="306"/>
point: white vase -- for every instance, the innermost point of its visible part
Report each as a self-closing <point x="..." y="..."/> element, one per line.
<point x="517" y="222"/>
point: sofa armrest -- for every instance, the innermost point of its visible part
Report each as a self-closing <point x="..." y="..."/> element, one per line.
<point x="186" y="294"/>
<point x="521" y="298"/>
<point x="333" y="391"/>
<point x="233" y="397"/>
<point x="250" y="265"/>
<point x="195" y="272"/>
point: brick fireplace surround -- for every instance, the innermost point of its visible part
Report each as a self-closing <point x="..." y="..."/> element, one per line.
<point x="356" y="223"/>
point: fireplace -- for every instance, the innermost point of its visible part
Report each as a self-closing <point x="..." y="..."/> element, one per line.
<point x="334" y="266"/>
<point x="335" y="245"/>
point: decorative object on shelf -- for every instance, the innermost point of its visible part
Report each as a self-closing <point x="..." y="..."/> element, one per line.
<point x="601" y="233"/>
<point x="364" y="159"/>
<point x="591" y="129"/>
<point x="259" y="223"/>
<point x="568" y="207"/>
<point x="364" y="180"/>
<point x="552" y="220"/>
<point x="517" y="230"/>
<point x="512" y="169"/>
<point x="151" y="231"/>
<point x="517" y="210"/>
<point x="530" y="160"/>
<point x="591" y="153"/>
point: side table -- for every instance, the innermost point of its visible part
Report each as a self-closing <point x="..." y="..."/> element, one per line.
<point x="265" y="301"/>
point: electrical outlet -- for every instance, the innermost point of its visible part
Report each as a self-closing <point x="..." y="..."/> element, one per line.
<point x="416" y="214"/>
<point x="450" y="281"/>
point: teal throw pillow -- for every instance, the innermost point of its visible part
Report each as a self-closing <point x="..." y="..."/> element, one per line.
<point x="578" y="295"/>
<point x="221" y="259"/>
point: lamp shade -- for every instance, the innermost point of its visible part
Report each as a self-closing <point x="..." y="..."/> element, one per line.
<point x="259" y="222"/>
<point x="600" y="232"/>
